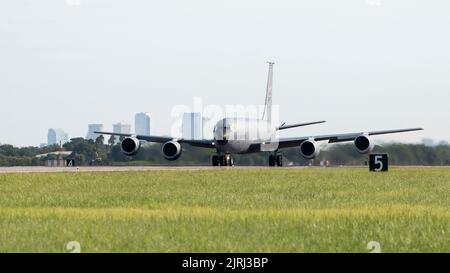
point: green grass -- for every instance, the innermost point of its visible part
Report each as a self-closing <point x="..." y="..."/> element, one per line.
<point x="230" y="210"/>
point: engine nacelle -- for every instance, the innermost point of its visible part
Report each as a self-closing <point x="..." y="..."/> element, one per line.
<point x="130" y="146"/>
<point x="364" y="144"/>
<point x="171" y="150"/>
<point x="310" y="149"/>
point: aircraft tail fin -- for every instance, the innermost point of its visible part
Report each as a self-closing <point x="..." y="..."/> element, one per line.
<point x="267" y="115"/>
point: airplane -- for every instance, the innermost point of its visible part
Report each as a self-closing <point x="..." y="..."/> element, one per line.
<point x="244" y="136"/>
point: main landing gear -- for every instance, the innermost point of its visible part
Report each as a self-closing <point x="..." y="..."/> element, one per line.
<point x="223" y="160"/>
<point x="276" y="160"/>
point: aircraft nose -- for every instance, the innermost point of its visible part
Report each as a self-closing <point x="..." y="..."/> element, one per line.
<point x="222" y="130"/>
<point x="222" y="142"/>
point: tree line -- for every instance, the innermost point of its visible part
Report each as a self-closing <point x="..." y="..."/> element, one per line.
<point x="95" y="152"/>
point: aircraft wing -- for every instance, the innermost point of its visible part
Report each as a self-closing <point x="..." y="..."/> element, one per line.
<point x="205" y="143"/>
<point x="293" y="142"/>
<point x="284" y="126"/>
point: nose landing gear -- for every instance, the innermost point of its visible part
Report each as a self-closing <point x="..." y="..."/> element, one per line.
<point x="276" y="160"/>
<point x="223" y="160"/>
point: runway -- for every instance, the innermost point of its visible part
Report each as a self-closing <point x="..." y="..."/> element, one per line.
<point x="100" y="169"/>
<point x="39" y="169"/>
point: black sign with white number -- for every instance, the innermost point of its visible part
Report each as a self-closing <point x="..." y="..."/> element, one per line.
<point x="378" y="163"/>
<point x="70" y="163"/>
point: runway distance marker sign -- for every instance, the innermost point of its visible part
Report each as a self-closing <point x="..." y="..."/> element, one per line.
<point x="70" y="163"/>
<point x="378" y="162"/>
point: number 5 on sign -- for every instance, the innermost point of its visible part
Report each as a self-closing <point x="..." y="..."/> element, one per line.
<point x="378" y="163"/>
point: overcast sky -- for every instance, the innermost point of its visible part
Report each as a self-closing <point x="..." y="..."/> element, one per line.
<point x="359" y="64"/>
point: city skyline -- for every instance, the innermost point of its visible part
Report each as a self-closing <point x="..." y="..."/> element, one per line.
<point x="194" y="125"/>
<point x="142" y="126"/>
<point x="205" y="128"/>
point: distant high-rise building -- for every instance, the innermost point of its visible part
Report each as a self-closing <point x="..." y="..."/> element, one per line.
<point x="428" y="142"/>
<point x="57" y="137"/>
<point x="121" y="128"/>
<point x="94" y="128"/>
<point x="142" y="124"/>
<point x="192" y="126"/>
<point x="208" y="127"/>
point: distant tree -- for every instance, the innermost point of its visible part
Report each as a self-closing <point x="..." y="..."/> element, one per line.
<point x="116" y="155"/>
<point x="80" y="159"/>
<point x="112" y="140"/>
<point x="81" y="146"/>
<point x="101" y="149"/>
<point x="100" y="140"/>
<point x="88" y="151"/>
<point x="8" y="150"/>
<point x="121" y="138"/>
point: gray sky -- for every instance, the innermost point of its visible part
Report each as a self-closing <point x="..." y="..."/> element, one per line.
<point x="359" y="64"/>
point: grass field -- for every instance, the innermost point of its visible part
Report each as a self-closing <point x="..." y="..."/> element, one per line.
<point x="230" y="210"/>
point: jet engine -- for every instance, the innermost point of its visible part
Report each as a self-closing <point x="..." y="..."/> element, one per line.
<point x="171" y="150"/>
<point x="309" y="149"/>
<point x="130" y="146"/>
<point x="364" y="144"/>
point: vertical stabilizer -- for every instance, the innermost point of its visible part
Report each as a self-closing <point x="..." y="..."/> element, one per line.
<point x="267" y="115"/>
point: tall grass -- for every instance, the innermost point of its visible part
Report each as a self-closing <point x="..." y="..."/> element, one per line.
<point x="230" y="210"/>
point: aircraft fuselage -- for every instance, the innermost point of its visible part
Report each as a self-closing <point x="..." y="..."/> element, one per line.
<point x="241" y="135"/>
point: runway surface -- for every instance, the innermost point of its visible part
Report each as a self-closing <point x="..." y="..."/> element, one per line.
<point x="97" y="169"/>
<point x="155" y="168"/>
